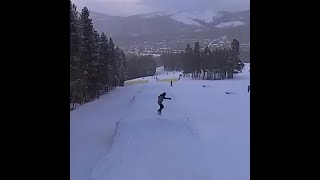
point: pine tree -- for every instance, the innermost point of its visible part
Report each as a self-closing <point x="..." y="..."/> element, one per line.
<point x="96" y="65"/>
<point x="235" y="46"/>
<point x="139" y="66"/>
<point x="229" y="64"/>
<point x="104" y="67"/>
<point x="214" y="63"/>
<point x="220" y="64"/>
<point x="75" y="70"/>
<point x="122" y="68"/>
<point x="117" y="60"/>
<point x="97" y="45"/>
<point x="205" y="65"/>
<point x="188" y="60"/>
<point x="88" y="53"/>
<point x="112" y="63"/>
<point x="196" y="59"/>
<point x="75" y="41"/>
<point x="93" y="66"/>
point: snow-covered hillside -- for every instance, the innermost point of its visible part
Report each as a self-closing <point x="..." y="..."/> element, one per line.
<point x="203" y="133"/>
<point x="230" y="24"/>
<point x="187" y="17"/>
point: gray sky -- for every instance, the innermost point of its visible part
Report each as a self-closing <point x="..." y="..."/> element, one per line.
<point x="131" y="7"/>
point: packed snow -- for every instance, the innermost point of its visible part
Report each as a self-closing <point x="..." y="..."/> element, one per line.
<point x="230" y="24"/>
<point x="203" y="133"/>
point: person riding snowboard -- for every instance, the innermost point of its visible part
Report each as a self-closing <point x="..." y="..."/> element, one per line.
<point x="161" y="97"/>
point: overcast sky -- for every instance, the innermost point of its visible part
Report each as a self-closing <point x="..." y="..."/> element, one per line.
<point x="131" y="7"/>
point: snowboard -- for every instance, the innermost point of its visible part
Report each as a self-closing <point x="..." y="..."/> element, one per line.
<point x="158" y="112"/>
<point x="229" y="92"/>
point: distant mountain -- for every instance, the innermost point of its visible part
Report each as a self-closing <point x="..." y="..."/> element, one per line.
<point x="175" y="25"/>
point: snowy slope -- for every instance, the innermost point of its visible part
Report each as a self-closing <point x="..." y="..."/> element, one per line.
<point x="187" y="17"/>
<point x="92" y="128"/>
<point x="203" y="133"/>
<point x="230" y="24"/>
<point x="190" y="17"/>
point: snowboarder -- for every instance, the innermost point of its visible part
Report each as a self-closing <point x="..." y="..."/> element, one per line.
<point x="161" y="97"/>
<point x="248" y="88"/>
<point x="171" y="83"/>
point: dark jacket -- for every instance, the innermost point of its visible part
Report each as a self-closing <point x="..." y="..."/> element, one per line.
<point x="161" y="98"/>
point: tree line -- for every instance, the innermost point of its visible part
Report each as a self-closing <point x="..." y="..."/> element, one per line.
<point x="140" y="66"/>
<point x="205" y="64"/>
<point x="97" y="65"/>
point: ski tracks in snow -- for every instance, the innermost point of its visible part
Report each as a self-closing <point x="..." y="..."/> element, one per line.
<point x="153" y="149"/>
<point x="148" y="146"/>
